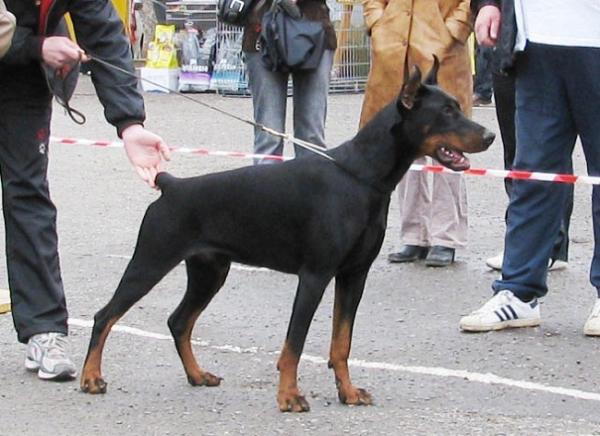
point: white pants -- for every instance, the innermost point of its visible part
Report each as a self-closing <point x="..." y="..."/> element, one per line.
<point x="433" y="208"/>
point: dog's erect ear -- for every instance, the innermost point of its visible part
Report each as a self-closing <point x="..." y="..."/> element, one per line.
<point x="410" y="88"/>
<point x="431" y="78"/>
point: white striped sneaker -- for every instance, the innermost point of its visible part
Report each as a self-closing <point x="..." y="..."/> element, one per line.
<point x="502" y="311"/>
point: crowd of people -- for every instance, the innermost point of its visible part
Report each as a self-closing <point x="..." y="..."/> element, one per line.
<point x="544" y="56"/>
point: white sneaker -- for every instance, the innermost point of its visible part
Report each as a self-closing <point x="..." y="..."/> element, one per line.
<point x="46" y="354"/>
<point x="496" y="263"/>
<point x="592" y="325"/>
<point x="502" y="311"/>
<point x="557" y="265"/>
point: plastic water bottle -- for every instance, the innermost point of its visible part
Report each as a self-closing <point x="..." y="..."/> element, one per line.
<point x="190" y="47"/>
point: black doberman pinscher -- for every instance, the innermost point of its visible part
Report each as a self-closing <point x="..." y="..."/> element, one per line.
<point x="317" y="218"/>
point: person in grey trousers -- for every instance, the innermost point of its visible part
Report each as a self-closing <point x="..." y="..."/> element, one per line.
<point x="270" y="88"/>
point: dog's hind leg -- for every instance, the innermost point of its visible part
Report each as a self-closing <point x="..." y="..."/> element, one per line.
<point x="155" y="255"/>
<point x="206" y="275"/>
<point x="308" y="296"/>
<point x="348" y="293"/>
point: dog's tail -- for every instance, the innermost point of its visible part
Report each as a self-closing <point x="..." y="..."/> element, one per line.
<point x="164" y="180"/>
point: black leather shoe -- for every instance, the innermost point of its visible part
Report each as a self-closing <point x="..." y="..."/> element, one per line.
<point x="439" y="256"/>
<point x="408" y="253"/>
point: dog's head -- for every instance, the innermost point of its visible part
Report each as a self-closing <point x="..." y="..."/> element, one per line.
<point x="434" y="121"/>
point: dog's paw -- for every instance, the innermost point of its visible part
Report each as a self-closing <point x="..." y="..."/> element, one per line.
<point x="93" y="385"/>
<point x="292" y="402"/>
<point x="204" y="379"/>
<point x="355" y="397"/>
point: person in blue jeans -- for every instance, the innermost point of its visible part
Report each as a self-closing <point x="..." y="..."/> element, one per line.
<point x="504" y="96"/>
<point x="557" y="99"/>
<point x="269" y="89"/>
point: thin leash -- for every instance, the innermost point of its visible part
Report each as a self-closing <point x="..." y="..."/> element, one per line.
<point x="317" y="149"/>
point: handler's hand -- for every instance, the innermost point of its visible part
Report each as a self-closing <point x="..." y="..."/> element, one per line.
<point x="59" y="52"/>
<point x="145" y="151"/>
<point x="487" y="25"/>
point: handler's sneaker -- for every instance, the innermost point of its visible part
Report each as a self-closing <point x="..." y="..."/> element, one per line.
<point x="46" y="354"/>
<point x="496" y="263"/>
<point x="502" y="311"/>
<point x="592" y="325"/>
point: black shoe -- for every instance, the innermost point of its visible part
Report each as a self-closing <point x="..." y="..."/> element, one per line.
<point x="439" y="256"/>
<point x="408" y="253"/>
<point x="479" y="100"/>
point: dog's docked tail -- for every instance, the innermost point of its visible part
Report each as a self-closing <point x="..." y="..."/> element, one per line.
<point x="164" y="180"/>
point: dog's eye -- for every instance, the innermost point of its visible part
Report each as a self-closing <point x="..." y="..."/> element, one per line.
<point x="448" y="110"/>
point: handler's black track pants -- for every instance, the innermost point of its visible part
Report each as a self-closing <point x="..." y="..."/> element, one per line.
<point x="38" y="300"/>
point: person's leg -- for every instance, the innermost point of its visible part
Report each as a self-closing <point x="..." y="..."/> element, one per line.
<point x="311" y="90"/>
<point x="269" y="97"/>
<point x="483" y="75"/>
<point x="584" y="102"/>
<point x="504" y="96"/>
<point x="414" y="201"/>
<point x="545" y="139"/>
<point x="38" y="300"/>
<point x="449" y="221"/>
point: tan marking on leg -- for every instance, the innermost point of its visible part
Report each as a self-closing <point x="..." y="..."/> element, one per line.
<point x="341" y="342"/>
<point x="196" y="375"/>
<point x="289" y="397"/>
<point x="91" y="376"/>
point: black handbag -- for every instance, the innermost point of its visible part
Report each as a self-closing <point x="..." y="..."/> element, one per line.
<point x="290" y="43"/>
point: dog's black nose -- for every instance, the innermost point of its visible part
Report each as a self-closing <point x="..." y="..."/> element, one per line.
<point x="488" y="138"/>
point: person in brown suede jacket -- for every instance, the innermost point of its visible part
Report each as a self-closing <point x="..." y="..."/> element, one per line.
<point x="269" y="89"/>
<point x="406" y="33"/>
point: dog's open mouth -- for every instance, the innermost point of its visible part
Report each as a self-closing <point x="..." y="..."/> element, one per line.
<point x="451" y="158"/>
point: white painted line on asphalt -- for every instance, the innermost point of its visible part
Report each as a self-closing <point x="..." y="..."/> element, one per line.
<point x="487" y="378"/>
<point x="235" y="266"/>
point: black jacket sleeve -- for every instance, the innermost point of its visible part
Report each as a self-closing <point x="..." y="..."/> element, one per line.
<point x="25" y="47"/>
<point x="478" y="4"/>
<point x="99" y="31"/>
<point x="504" y="56"/>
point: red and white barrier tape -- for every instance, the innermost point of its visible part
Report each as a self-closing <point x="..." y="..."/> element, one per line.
<point x="510" y="174"/>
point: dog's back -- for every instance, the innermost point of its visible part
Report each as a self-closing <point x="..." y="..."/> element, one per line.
<point x="277" y="216"/>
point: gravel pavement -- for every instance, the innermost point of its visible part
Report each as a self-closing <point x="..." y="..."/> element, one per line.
<point x="425" y="375"/>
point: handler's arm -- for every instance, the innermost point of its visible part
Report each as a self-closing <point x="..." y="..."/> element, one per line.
<point x="100" y="33"/>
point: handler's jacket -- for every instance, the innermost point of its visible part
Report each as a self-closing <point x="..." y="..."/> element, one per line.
<point x="99" y="31"/>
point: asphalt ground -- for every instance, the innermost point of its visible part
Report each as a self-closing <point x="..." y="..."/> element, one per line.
<point x="425" y="375"/>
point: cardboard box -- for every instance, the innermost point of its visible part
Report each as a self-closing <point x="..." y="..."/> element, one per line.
<point x="159" y="79"/>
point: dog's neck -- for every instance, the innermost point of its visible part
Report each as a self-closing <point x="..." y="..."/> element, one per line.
<point x="378" y="157"/>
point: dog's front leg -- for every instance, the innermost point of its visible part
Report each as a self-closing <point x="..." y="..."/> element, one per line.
<point x="308" y="296"/>
<point x="348" y="292"/>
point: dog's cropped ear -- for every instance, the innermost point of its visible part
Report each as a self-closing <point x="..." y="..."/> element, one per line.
<point x="431" y="78"/>
<point x="410" y="88"/>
